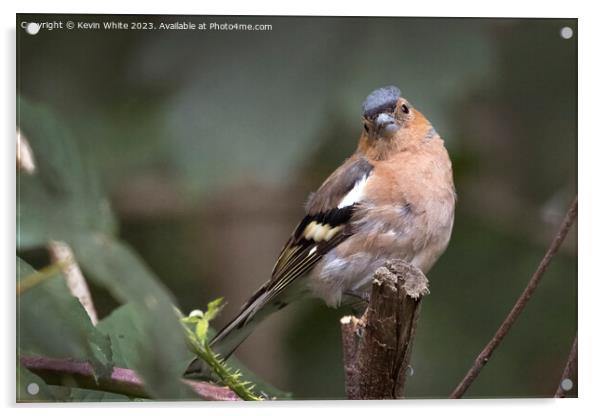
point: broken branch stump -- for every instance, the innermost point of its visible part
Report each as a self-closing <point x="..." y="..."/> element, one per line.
<point x="377" y="346"/>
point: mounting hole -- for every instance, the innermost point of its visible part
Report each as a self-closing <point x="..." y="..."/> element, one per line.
<point x="566" y="32"/>
<point x="566" y="384"/>
<point x="33" y="388"/>
<point x="32" y="28"/>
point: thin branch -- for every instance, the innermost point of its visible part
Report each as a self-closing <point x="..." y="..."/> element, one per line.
<point x="37" y="277"/>
<point x="61" y="253"/>
<point x="518" y="307"/>
<point x="122" y="381"/>
<point x="377" y="346"/>
<point x="568" y="380"/>
<point x="196" y="327"/>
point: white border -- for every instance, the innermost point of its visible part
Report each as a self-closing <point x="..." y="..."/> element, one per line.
<point x="590" y="95"/>
<point x="514" y="8"/>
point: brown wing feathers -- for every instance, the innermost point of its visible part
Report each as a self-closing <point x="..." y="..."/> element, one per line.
<point x="324" y="227"/>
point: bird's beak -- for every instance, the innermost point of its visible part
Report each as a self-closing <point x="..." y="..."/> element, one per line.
<point x="386" y="125"/>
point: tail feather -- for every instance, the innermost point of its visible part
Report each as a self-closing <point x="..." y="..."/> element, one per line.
<point x="259" y="307"/>
<point x="239" y="328"/>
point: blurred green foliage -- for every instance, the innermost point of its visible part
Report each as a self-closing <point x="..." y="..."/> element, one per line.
<point x="60" y="202"/>
<point x="52" y="322"/>
<point x="200" y="147"/>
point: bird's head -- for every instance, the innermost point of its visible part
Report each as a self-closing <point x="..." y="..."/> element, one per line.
<point x="390" y="123"/>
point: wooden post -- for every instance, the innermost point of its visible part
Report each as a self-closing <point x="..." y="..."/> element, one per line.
<point x="377" y="346"/>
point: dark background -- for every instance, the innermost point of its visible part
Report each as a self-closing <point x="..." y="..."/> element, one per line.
<point x="208" y="143"/>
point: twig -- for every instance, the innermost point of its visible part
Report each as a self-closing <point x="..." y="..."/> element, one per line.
<point x="518" y="307"/>
<point x="568" y="380"/>
<point x="377" y="346"/>
<point x="122" y="381"/>
<point x="37" y="277"/>
<point x="196" y="327"/>
<point x="61" y="253"/>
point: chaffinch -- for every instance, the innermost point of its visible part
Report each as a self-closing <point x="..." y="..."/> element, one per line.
<point x="393" y="198"/>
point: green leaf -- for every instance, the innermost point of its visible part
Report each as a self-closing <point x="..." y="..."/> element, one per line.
<point x="201" y="329"/>
<point x="63" y="198"/>
<point x="213" y="308"/>
<point x="31" y="388"/>
<point x="200" y="320"/>
<point x="51" y="322"/>
<point x="158" y="359"/>
<point x="125" y="333"/>
<point x="63" y="201"/>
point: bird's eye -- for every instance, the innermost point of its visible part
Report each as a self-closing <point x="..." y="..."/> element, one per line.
<point x="366" y="128"/>
<point x="405" y="108"/>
